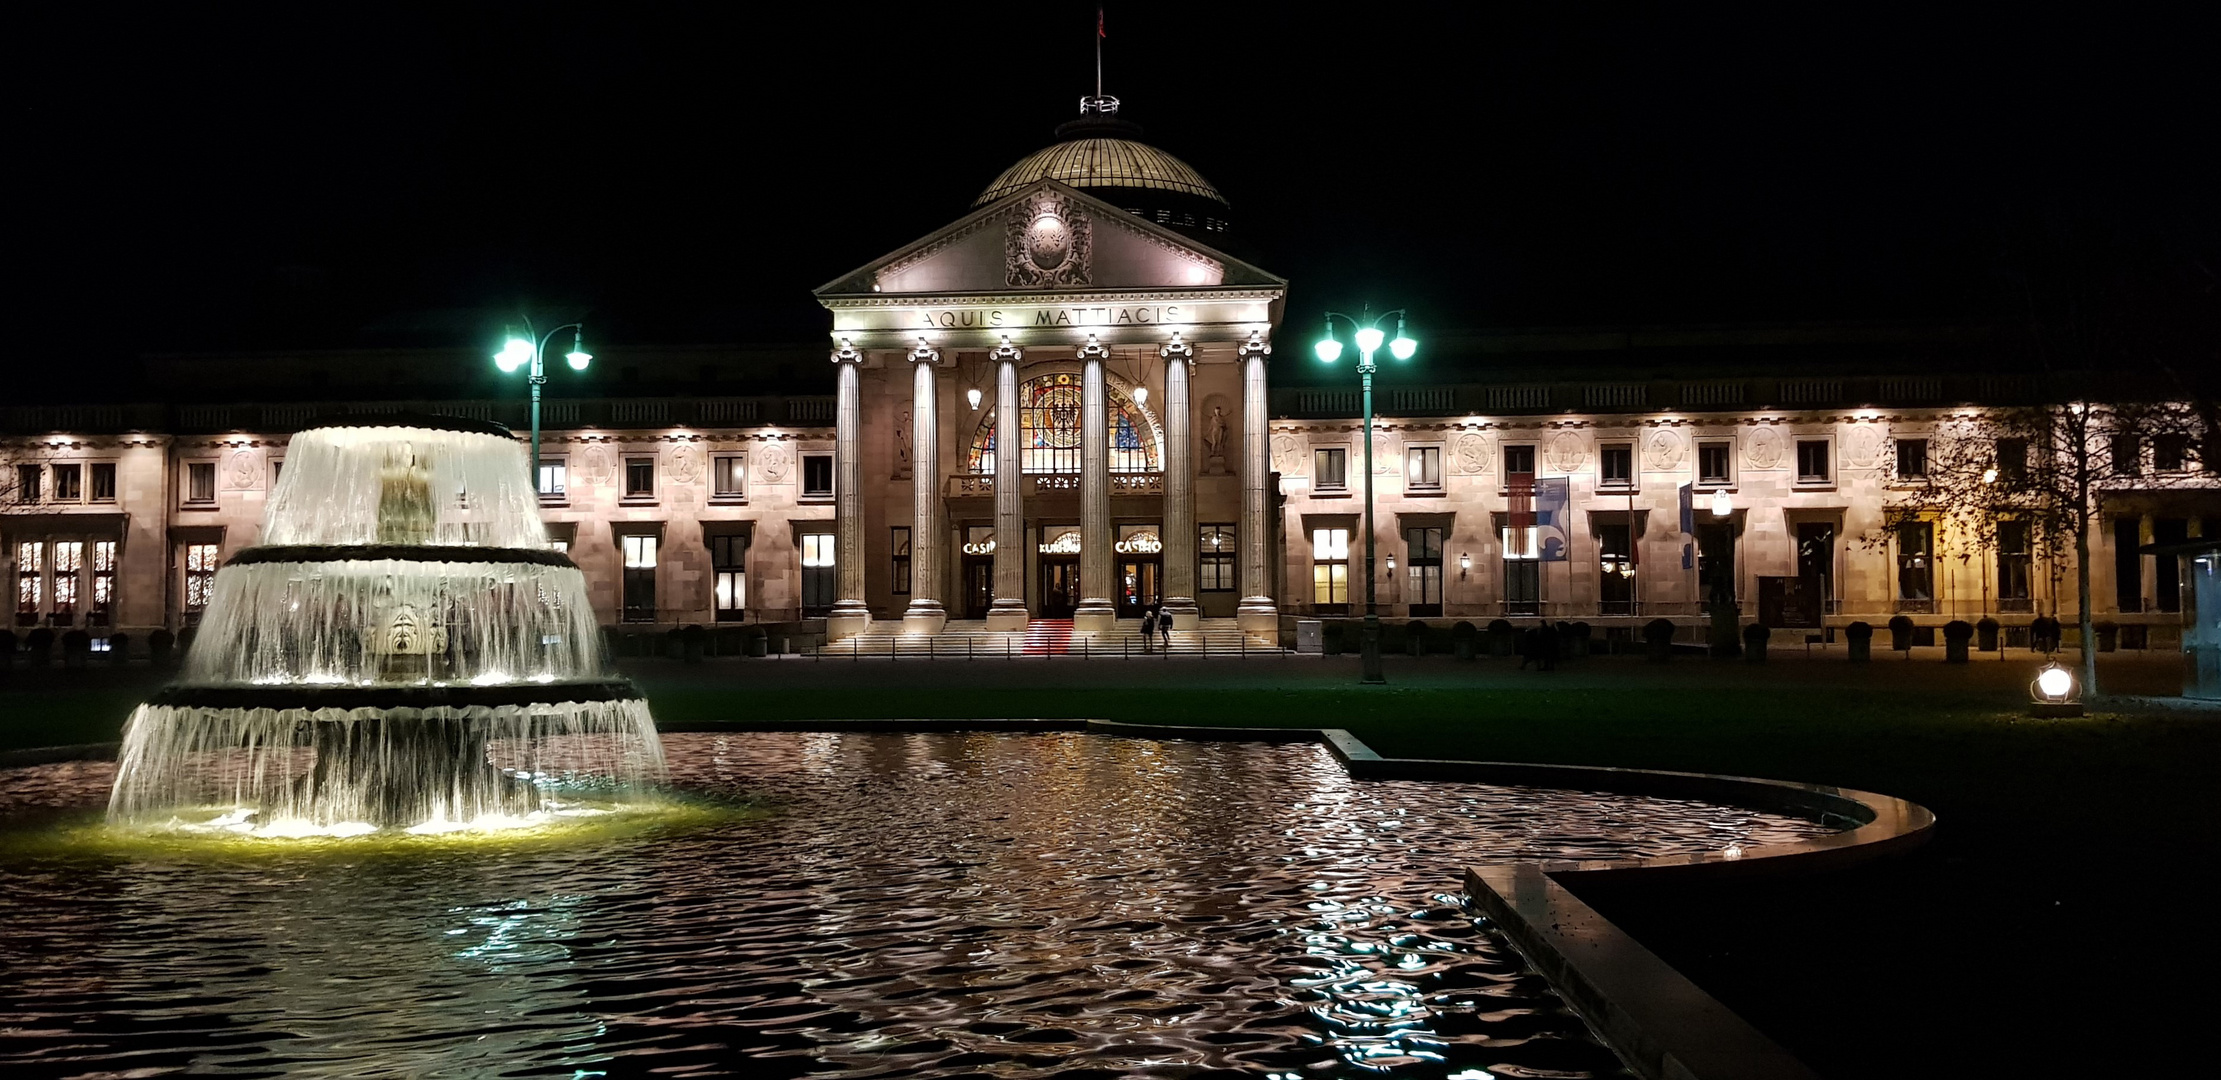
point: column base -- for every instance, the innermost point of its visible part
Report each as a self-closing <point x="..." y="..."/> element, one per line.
<point x="1258" y="618"/>
<point x="846" y="623"/>
<point x="1094" y="617"/>
<point x="1006" y="615"/>
<point x="924" y="617"/>
<point x="1185" y="615"/>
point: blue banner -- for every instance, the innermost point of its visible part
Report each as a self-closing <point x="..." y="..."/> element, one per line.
<point x="1553" y="518"/>
<point x="1688" y="511"/>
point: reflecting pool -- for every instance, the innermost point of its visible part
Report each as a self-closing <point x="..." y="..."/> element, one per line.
<point x="860" y="905"/>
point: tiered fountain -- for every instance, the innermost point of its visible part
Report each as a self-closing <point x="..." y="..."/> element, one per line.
<point x="403" y="651"/>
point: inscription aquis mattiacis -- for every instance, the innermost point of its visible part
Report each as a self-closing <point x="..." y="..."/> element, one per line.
<point x="1015" y="318"/>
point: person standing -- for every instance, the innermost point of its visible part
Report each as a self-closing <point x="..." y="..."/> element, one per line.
<point x="1164" y="629"/>
<point x="1148" y="628"/>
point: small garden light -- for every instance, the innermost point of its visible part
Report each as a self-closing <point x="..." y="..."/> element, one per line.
<point x="2053" y="693"/>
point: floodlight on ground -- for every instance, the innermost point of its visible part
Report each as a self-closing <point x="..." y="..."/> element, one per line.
<point x="2053" y="692"/>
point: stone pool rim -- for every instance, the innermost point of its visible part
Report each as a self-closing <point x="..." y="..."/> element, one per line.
<point x="1660" y="1023"/>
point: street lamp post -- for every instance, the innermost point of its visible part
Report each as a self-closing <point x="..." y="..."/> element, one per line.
<point x="528" y="349"/>
<point x="1368" y="335"/>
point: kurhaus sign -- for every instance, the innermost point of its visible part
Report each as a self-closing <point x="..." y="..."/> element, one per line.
<point x="1016" y="318"/>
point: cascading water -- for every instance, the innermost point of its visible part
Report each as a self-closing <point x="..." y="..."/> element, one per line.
<point x="403" y="651"/>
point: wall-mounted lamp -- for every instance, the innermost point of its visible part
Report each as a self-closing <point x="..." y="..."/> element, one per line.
<point x="1391" y="564"/>
<point x="972" y="395"/>
<point x="1721" y="507"/>
<point x="1465" y="562"/>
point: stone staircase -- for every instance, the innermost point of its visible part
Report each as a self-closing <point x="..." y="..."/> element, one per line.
<point x="965" y="639"/>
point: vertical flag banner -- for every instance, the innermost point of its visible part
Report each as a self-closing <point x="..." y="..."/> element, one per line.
<point x="1553" y="518"/>
<point x="1688" y="510"/>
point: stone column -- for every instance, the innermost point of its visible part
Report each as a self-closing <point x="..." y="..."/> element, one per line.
<point x="1008" y="612"/>
<point x="1179" y="489"/>
<point x="849" y="616"/>
<point x="1257" y="614"/>
<point x="1095" y="611"/>
<point x="925" y="614"/>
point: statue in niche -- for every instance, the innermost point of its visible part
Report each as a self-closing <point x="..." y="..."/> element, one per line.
<point x="1214" y="441"/>
<point x="902" y="443"/>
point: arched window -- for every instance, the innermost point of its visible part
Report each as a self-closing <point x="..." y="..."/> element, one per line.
<point x="1049" y="410"/>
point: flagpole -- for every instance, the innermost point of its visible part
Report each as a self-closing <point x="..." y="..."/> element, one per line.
<point x="1099" y="35"/>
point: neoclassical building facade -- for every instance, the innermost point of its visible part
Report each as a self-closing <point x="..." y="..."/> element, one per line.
<point x="1060" y="406"/>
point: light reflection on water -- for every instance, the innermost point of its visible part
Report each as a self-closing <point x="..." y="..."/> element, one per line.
<point x="912" y="905"/>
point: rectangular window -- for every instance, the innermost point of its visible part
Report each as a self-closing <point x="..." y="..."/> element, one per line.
<point x="1423" y="554"/>
<point x="30" y="580"/>
<point x="200" y="575"/>
<point x="818" y="573"/>
<point x="103" y="608"/>
<point x="640" y="578"/>
<point x="28" y="481"/>
<point x="104" y="481"/>
<point x="817" y="475"/>
<point x="555" y="479"/>
<point x="1423" y="467"/>
<point x="729" y="476"/>
<point x="1615" y="465"/>
<point x="1615" y="592"/>
<point x="2170" y="453"/>
<point x="1912" y="459"/>
<point x="69" y="483"/>
<point x="1816" y="559"/>
<point x="640" y="478"/>
<point x="2015" y="562"/>
<point x="1916" y="583"/>
<point x="2128" y="454"/>
<point x="1716" y="577"/>
<point x="1519" y="461"/>
<point x="1330" y="468"/>
<point x="69" y="570"/>
<point x="2128" y="565"/>
<point x="200" y="482"/>
<point x="1813" y="466"/>
<point x="902" y="559"/>
<point x="1330" y="570"/>
<point x="1715" y="464"/>
<point x="1522" y="568"/>
<point x="1214" y="552"/>
<point x="560" y="544"/>
<point x="2012" y="460"/>
<point x="728" y="557"/>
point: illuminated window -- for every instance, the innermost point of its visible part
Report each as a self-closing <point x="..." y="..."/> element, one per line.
<point x="555" y="479"/>
<point x="1522" y="569"/>
<point x="818" y="580"/>
<point x="1214" y="552"/>
<point x="639" y="582"/>
<point x="817" y="475"/>
<point x="1423" y="570"/>
<point x="30" y="580"/>
<point x="200" y="482"/>
<point x="1050" y="408"/>
<point x="729" y="477"/>
<point x="104" y="481"/>
<point x="1916" y="565"/>
<point x="69" y="569"/>
<point x="902" y="560"/>
<point x="69" y="483"/>
<point x="200" y="576"/>
<point x="1330" y="570"/>
<point x="104" y="584"/>
<point x="728" y="561"/>
<point x="1423" y="468"/>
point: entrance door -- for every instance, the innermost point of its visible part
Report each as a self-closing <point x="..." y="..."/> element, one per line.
<point x="979" y="587"/>
<point x="1140" y="585"/>
<point x="1060" y="586"/>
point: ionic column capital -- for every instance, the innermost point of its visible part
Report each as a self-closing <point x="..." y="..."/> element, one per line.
<point x="1006" y="353"/>
<point x="847" y="353"/>
<point x="925" y="353"/>
<point x="1256" y="348"/>
<point x="1094" y="349"/>
<point x="1176" y="349"/>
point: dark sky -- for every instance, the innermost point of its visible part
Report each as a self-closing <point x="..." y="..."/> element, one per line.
<point x="249" y="176"/>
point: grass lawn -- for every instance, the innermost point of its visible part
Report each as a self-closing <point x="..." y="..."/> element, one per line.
<point x="2059" y="920"/>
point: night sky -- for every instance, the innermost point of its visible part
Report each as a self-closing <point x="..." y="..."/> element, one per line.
<point x="308" y="176"/>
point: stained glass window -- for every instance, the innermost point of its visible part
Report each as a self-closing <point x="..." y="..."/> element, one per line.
<point x="1049" y="411"/>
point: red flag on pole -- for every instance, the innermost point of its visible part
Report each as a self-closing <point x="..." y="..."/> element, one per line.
<point x="1099" y="21"/>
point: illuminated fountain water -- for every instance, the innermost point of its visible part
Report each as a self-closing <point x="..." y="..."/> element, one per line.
<point x="403" y="651"/>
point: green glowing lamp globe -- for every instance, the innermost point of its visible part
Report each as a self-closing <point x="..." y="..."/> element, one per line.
<point x="1368" y="339"/>
<point x="1402" y="347"/>
<point x="514" y="355"/>
<point x="579" y="358"/>
<point x="1328" y="349"/>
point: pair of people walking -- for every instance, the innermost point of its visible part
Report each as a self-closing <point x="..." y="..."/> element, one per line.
<point x="1156" y="626"/>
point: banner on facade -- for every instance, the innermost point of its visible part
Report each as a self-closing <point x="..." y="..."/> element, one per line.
<point x="1553" y="518"/>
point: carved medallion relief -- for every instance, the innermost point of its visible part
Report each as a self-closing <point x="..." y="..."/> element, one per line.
<point x="1048" y="242"/>
<point x="1862" y="446"/>
<point x="1662" y="450"/>
<point x="595" y="465"/>
<point x="1763" y="449"/>
<point x="245" y="473"/>
<point x="686" y="464"/>
<point x="1472" y="454"/>
<point x="1287" y="456"/>
<point x="1566" y="452"/>
<point x="774" y="462"/>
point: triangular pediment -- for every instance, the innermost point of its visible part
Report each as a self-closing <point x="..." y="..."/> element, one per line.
<point x="1047" y="238"/>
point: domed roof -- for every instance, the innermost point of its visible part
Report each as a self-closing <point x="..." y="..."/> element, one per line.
<point x="1100" y="162"/>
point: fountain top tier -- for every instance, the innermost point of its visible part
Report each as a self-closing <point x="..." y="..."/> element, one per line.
<point x="410" y="482"/>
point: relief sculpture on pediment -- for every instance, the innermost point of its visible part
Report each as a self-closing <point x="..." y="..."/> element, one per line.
<point x="1048" y="243"/>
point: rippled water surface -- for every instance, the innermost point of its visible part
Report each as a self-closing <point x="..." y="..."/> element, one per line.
<point x="904" y="905"/>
